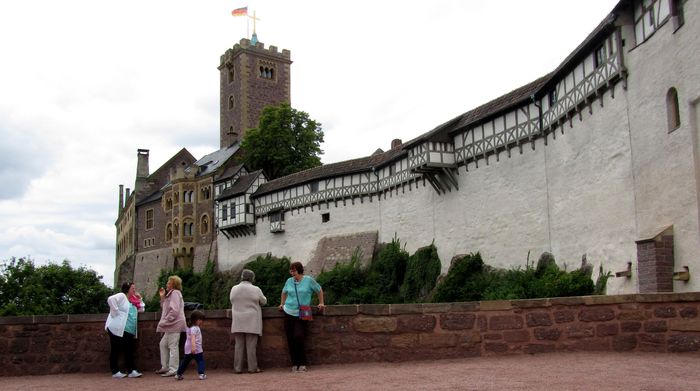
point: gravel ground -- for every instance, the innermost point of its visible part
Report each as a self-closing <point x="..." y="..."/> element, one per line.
<point x="556" y="371"/>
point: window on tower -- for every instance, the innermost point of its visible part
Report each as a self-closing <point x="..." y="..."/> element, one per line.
<point x="230" y="102"/>
<point x="230" y="75"/>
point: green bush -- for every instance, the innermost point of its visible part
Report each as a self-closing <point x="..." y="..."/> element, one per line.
<point x="343" y="284"/>
<point x="270" y="275"/>
<point x="422" y="272"/>
<point x="466" y="280"/>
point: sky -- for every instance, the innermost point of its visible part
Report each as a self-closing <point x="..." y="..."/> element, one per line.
<point x="84" y="84"/>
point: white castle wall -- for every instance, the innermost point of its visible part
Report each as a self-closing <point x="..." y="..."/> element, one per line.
<point x="665" y="164"/>
<point x="615" y="176"/>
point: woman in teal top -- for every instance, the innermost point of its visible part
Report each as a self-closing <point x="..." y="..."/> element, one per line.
<point x="297" y="291"/>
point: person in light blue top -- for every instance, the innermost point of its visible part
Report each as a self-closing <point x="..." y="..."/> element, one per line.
<point x="298" y="290"/>
<point x="121" y="326"/>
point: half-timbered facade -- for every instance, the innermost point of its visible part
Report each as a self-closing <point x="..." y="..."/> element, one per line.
<point x="594" y="160"/>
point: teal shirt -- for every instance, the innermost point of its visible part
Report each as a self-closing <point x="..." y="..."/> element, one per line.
<point x="306" y="288"/>
<point x="131" y="320"/>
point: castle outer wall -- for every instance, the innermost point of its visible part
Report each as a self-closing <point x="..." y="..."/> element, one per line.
<point x="593" y="181"/>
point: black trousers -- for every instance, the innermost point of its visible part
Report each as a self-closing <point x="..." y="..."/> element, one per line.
<point x="118" y="345"/>
<point x="295" y="329"/>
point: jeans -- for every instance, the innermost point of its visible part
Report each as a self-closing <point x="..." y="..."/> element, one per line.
<point x="199" y="358"/>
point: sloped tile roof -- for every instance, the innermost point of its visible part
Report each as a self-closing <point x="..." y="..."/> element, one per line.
<point x="240" y="186"/>
<point x="331" y="170"/>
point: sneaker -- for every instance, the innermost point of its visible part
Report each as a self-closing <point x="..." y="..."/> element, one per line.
<point x="295" y="368"/>
<point x="302" y="368"/>
<point x="202" y="376"/>
<point x="161" y="371"/>
<point x="178" y="377"/>
<point x="118" y="375"/>
<point x="134" y="373"/>
<point x="169" y="373"/>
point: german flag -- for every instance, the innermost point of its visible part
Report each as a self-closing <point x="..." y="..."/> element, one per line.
<point x="240" y="11"/>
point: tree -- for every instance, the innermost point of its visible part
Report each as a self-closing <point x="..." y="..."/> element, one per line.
<point x="26" y="289"/>
<point x="286" y="141"/>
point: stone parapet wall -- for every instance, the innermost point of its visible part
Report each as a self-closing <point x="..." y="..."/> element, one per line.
<point x="665" y="322"/>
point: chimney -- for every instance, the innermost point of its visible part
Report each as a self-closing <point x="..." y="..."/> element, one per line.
<point x="121" y="200"/>
<point x="128" y="193"/>
<point x="141" y="170"/>
<point x="395" y="143"/>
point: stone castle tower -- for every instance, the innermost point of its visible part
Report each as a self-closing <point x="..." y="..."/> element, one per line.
<point x="251" y="77"/>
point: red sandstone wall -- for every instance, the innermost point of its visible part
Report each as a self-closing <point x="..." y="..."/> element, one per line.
<point x="666" y="322"/>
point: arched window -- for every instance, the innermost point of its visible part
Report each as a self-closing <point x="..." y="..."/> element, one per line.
<point x="672" y="112"/>
<point x="230" y="102"/>
<point x="169" y="232"/>
<point x="204" y="226"/>
<point x="230" y="75"/>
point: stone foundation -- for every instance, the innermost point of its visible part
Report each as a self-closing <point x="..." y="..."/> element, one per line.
<point x="666" y="322"/>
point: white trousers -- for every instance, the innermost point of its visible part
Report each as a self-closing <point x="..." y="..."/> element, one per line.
<point x="170" y="351"/>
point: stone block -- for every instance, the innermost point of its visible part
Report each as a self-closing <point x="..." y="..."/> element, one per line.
<point x="624" y="343"/>
<point x="665" y="312"/>
<point x="506" y="322"/>
<point x="404" y="341"/>
<point x="438" y="340"/>
<point x="550" y="334"/>
<point x="408" y="323"/>
<point x="655" y="326"/>
<point x="688" y="342"/>
<point x="374" y="309"/>
<point x="630" y="326"/>
<point x="516" y="335"/>
<point x="596" y="314"/>
<point x="607" y="329"/>
<point x="496" y="305"/>
<point x="399" y="309"/>
<point x="631" y="315"/>
<point x="578" y="330"/>
<point x="341" y="310"/>
<point x="496" y="347"/>
<point x="684" y="324"/>
<point x="535" y="319"/>
<point x="536" y="348"/>
<point x="531" y="303"/>
<point x="371" y="324"/>
<point x="564" y="316"/>
<point x="492" y="336"/>
<point x="652" y="342"/>
<point x="457" y="321"/>
<point x="689" y="312"/>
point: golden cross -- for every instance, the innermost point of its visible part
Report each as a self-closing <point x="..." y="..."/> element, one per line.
<point x="254" y="20"/>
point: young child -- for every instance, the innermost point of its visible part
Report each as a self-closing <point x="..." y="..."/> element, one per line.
<point x="193" y="346"/>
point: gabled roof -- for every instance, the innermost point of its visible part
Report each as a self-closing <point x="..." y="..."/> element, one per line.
<point x="211" y="162"/>
<point x="367" y="163"/>
<point x="161" y="177"/>
<point x="241" y="185"/>
<point x="228" y="172"/>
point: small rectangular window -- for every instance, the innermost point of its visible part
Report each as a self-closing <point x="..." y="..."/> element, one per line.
<point x="552" y="98"/>
<point x="149" y="219"/>
<point x="224" y="213"/>
<point x="325" y="217"/>
<point x="313" y="187"/>
<point x="599" y="58"/>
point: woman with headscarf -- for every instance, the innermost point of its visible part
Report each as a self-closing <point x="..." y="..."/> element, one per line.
<point x="246" y="321"/>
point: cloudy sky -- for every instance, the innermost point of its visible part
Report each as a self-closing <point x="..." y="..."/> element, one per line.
<point x="84" y="84"/>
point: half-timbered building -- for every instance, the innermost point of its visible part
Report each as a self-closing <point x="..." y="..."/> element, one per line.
<point x="599" y="159"/>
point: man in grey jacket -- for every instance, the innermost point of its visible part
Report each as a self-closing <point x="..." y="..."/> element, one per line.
<point x="246" y="321"/>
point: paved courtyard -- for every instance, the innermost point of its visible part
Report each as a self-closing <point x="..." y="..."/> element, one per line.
<point x="556" y="371"/>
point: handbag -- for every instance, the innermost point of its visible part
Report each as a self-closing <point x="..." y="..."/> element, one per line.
<point x="305" y="312"/>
